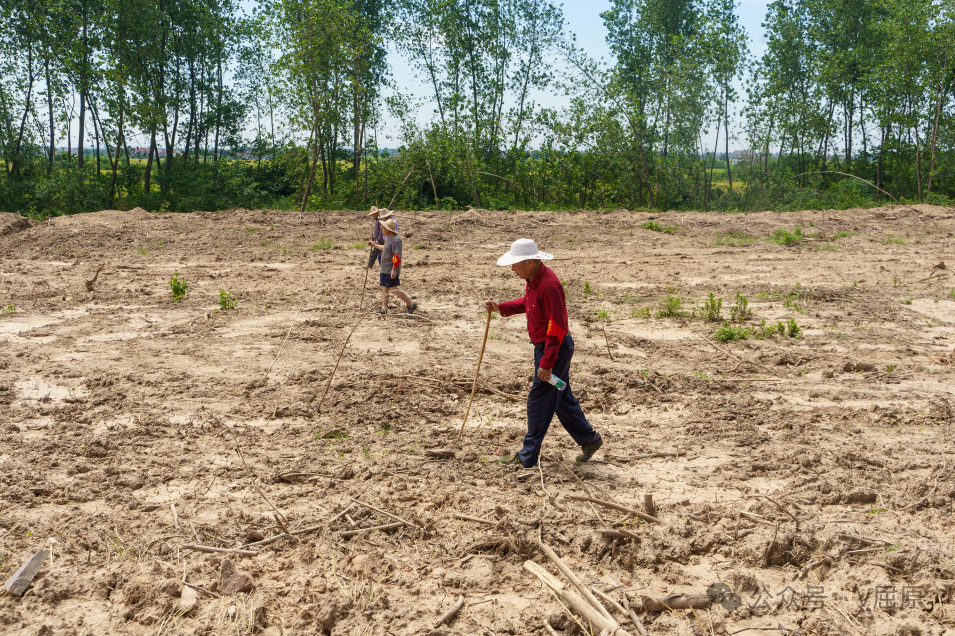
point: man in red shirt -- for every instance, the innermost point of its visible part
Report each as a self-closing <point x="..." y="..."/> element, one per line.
<point x="546" y="310"/>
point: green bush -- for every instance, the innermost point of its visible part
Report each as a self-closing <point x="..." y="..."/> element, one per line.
<point x="712" y="309"/>
<point x="656" y="227"/>
<point x="226" y="301"/>
<point x="785" y="237"/>
<point x="178" y="286"/>
<point x="671" y="307"/>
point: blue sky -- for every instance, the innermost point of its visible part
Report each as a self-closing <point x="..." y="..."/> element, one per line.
<point x="583" y="18"/>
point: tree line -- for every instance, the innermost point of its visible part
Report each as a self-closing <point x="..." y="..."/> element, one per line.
<point x="849" y="105"/>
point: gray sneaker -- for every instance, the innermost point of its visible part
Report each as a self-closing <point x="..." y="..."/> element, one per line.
<point x="412" y="308"/>
<point x="589" y="450"/>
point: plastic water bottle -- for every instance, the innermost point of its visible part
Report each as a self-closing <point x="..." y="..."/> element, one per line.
<point x="558" y="384"/>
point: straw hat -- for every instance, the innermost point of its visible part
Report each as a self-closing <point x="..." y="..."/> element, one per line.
<point x="374" y="210"/>
<point x="390" y="224"/>
<point x="523" y="250"/>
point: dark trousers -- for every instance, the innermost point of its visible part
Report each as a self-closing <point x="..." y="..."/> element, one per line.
<point x="374" y="257"/>
<point x="544" y="401"/>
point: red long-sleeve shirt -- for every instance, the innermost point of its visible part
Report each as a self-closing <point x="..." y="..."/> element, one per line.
<point x="546" y="309"/>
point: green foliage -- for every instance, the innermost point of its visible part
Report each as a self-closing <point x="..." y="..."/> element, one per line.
<point x="792" y="329"/>
<point x="712" y="308"/>
<point x="9" y="310"/>
<point x="892" y="239"/>
<point x="323" y="244"/>
<point x="740" y="311"/>
<point x="587" y="289"/>
<point x="735" y="239"/>
<point x="671" y="307"/>
<point x="785" y="237"/>
<point x="178" y="286"/>
<point x="226" y="301"/>
<point x="656" y="227"/>
<point x="729" y="333"/>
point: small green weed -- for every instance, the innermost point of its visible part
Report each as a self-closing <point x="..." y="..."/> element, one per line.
<point x="828" y="247"/>
<point x="839" y="235"/>
<point x="629" y="299"/>
<point x="873" y="510"/>
<point x="792" y="329"/>
<point x="671" y="307"/>
<point x="735" y="239"/>
<point x="178" y="286"/>
<point x="143" y="251"/>
<point x="785" y="237"/>
<point x="740" y="311"/>
<point x="421" y="247"/>
<point x="323" y="244"/>
<point x="357" y="245"/>
<point x="906" y="301"/>
<point x="365" y="452"/>
<point x="892" y="239"/>
<point x="712" y="309"/>
<point x="890" y="368"/>
<point x="226" y="301"/>
<point x="385" y="429"/>
<point x="9" y="310"/>
<point x="587" y="288"/>
<point x="729" y="333"/>
<point x="656" y="227"/>
<point x="496" y="336"/>
<point x="603" y="314"/>
<point x="640" y="313"/>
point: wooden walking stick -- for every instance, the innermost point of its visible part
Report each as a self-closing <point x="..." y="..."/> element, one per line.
<point x="477" y="371"/>
<point x="362" y="301"/>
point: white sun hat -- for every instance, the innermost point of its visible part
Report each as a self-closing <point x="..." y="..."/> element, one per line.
<point x="523" y="250"/>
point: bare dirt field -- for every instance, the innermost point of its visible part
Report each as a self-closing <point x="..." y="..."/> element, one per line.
<point x="802" y="485"/>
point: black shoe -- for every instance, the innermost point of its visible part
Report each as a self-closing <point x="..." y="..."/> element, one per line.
<point x="412" y="308"/>
<point x="589" y="451"/>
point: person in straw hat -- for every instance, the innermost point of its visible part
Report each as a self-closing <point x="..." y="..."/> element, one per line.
<point x="545" y="306"/>
<point x="391" y="267"/>
<point x="379" y="215"/>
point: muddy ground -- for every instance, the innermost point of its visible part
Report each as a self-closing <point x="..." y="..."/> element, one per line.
<point x="810" y="476"/>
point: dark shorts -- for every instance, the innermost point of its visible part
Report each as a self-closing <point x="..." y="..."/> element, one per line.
<point x="388" y="281"/>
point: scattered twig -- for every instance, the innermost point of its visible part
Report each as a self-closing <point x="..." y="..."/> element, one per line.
<point x="207" y="548"/>
<point x="418" y="522"/>
<point x="576" y="581"/>
<point x="340" y="353"/>
<point x="825" y="560"/>
<point x="175" y="515"/>
<point x="477" y="372"/>
<point x="608" y="504"/>
<point x="450" y="613"/>
<point x="202" y="589"/>
<point x="266" y="376"/>
<point x="458" y="515"/>
<point x="390" y="526"/>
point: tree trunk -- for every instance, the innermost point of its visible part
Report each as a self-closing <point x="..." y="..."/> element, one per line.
<point x="49" y="102"/>
<point x="149" y="163"/>
<point x="938" y="112"/>
<point x="96" y="138"/>
<point x="82" y="124"/>
<point x="215" y="151"/>
<point x="726" y="129"/>
<point x="119" y="140"/>
<point x="357" y="136"/>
